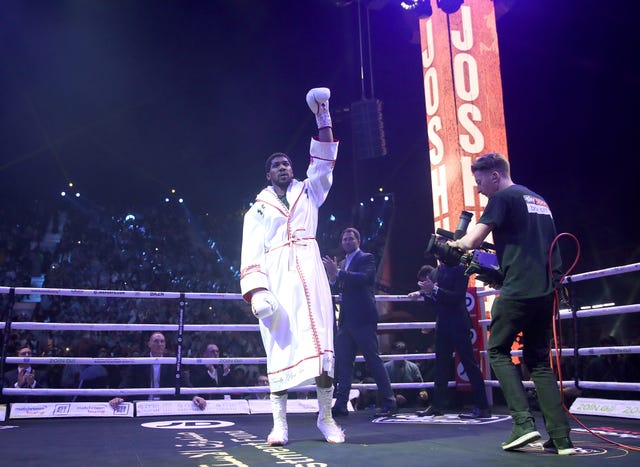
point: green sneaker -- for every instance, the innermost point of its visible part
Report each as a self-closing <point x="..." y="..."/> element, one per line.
<point x="521" y="436"/>
<point x="563" y="446"/>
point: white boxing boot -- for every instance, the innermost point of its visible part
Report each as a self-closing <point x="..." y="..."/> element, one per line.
<point x="318" y="102"/>
<point x="326" y="424"/>
<point x="279" y="435"/>
<point x="263" y="304"/>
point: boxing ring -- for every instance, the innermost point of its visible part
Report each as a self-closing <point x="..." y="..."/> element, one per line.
<point x="233" y="432"/>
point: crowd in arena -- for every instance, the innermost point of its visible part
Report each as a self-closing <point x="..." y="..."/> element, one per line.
<point x="164" y="249"/>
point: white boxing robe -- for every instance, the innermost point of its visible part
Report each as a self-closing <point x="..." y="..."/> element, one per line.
<point x="280" y="254"/>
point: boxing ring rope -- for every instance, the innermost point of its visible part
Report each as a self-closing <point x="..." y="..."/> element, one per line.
<point x="180" y="327"/>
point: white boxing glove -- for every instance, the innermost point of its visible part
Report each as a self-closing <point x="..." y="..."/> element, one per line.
<point x="318" y="102"/>
<point x="263" y="304"/>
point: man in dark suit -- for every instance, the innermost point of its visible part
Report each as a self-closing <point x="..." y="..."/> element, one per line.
<point x="358" y="323"/>
<point x="445" y="287"/>
<point x="154" y="376"/>
<point x="25" y="377"/>
<point x="211" y="375"/>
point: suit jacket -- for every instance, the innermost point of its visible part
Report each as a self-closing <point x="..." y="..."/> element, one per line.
<point x="140" y="376"/>
<point x="200" y="378"/>
<point x="450" y="303"/>
<point x="358" y="304"/>
<point x="11" y="377"/>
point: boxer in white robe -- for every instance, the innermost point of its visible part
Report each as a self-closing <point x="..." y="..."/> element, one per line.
<point x="283" y="277"/>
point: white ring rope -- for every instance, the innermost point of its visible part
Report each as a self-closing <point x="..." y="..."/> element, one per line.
<point x="614" y="386"/>
<point x="95" y="293"/>
<point x="30" y="325"/>
<point x="262" y="389"/>
<point x="208" y="296"/>
<point x="613" y="310"/>
<point x="588" y="351"/>
<point x="172" y="360"/>
<point x="130" y="327"/>
<point x="119" y="293"/>
<point x="602" y="273"/>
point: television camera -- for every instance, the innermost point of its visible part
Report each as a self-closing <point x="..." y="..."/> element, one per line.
<point x="482" y="261"/>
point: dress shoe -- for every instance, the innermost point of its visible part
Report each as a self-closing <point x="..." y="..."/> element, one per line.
<point x="386" y="411"/>
<point x="476" y="413"/>
<point x="430" y="411"/>
<point x="338" y="412"/>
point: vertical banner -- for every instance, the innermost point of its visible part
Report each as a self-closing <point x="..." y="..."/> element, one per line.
<point x="464" y="109"/>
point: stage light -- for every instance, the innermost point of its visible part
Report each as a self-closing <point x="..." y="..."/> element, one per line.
<point x="409" y="4"/>
<point x="386" y="197"/>
<point x="332" y="218"/>
<point x="166" y="200"/>
<point x="420" y="7"/>
<point x="180" y="200"/>
<point x="77" y="194"/>
<point x="63" y="193"/>
<point x="449" y="6"/>
<point x="342" y="3"/>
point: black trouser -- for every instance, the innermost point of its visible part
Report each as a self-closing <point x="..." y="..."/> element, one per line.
<point x="534" y="318"/>
<point x="454" y="333"/>
<point x="348" y="342"/>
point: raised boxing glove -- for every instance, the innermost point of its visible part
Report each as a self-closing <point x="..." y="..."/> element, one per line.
<point x="318" y="102"/>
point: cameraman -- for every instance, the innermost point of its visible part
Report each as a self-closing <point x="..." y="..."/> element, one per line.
<point x="523" y="231"/>
<point x="446" y="287"/>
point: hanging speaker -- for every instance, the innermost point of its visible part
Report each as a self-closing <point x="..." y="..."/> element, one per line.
<point x="367" y="128"/>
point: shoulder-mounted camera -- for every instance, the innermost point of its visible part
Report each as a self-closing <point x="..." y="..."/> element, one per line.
<point x="482" y="261"/>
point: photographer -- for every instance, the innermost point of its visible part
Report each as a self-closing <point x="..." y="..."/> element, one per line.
<point x="523" y="231"/>
<point x="446" y="287"/>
